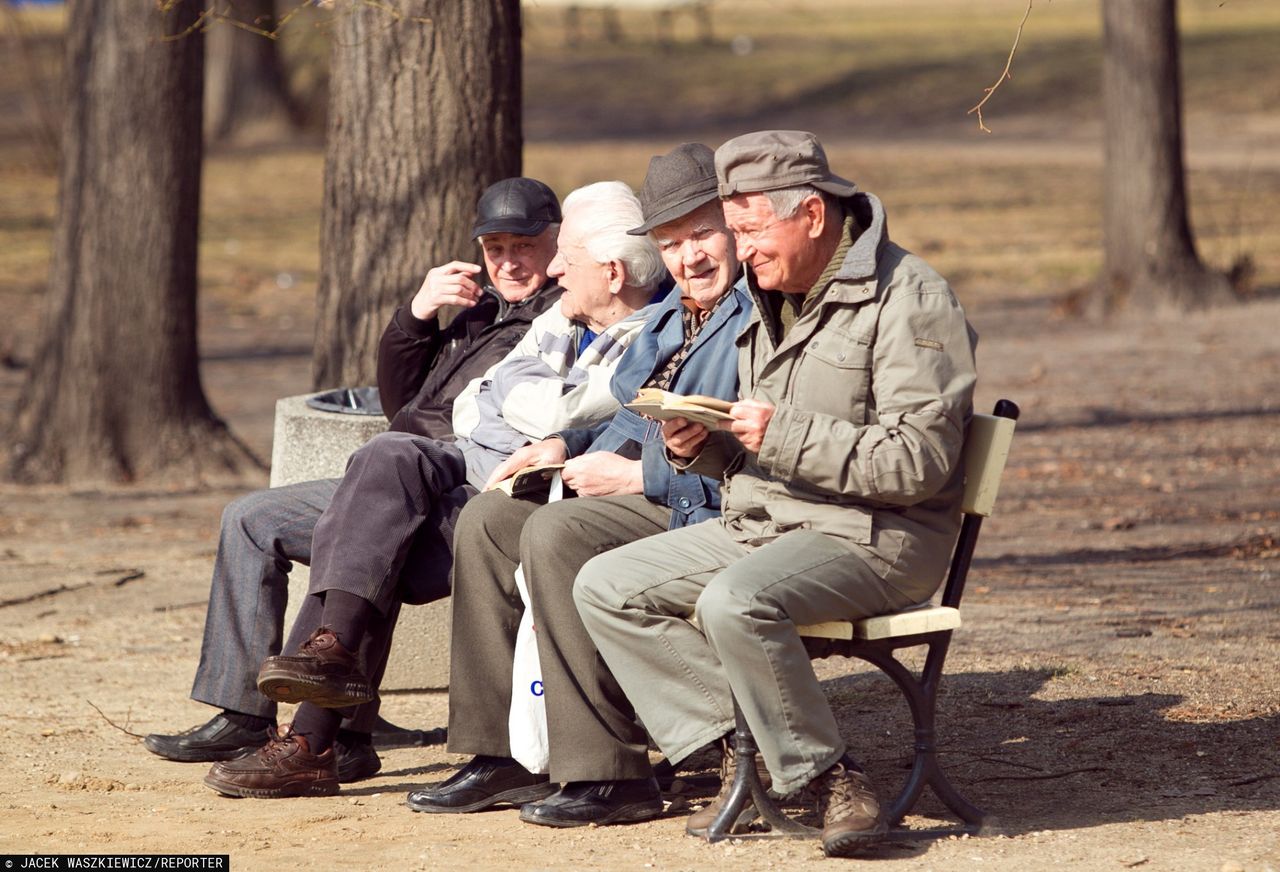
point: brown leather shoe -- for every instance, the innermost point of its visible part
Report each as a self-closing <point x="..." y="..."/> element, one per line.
<point x="283" y="767"/>
<point x="322" y="673"/>
<point x="700" y="820"/>
<point x="851" y="816"/>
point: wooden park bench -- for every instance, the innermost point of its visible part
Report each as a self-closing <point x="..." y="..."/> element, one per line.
<point x="876" y="639"/>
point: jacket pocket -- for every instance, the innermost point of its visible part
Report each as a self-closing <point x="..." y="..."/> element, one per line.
<point x="833" y="376"/>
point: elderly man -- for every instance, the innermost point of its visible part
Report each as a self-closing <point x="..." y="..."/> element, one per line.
<point x="842" y="484"/>
<point x="403" y="490"/>
<point x="626" y="491"/>
<point x="422" y="368"/>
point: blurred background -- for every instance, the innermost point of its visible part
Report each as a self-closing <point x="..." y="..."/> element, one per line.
<point x="1011" y="215"/>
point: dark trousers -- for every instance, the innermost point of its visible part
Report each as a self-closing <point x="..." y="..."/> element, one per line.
<point x="387" y="536"/>
<point x="591" y="726"/>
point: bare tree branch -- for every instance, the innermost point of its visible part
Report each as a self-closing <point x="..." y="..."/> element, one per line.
<point x="1005" y="74"/>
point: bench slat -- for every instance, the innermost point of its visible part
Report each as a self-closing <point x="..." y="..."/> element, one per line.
<point x="930" y="619"/>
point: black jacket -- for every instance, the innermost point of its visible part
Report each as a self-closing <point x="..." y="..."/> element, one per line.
<point x="422" y="368"/>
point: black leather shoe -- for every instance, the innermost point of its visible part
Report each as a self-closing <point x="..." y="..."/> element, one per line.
<point x="216" y="740"/>
<point x="581" y="803"/>
<point x="483" y="782"/>
<point x="356" y="762"/>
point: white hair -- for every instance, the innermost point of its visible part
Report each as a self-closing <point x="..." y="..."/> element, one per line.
<point x="604" y="212"/>
<point x="786" y="201"/>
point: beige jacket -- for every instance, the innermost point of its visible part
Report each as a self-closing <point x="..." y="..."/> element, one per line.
<point x="873" y="387"/>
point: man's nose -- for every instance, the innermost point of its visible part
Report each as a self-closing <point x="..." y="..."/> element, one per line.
<point x="744" y="248"/>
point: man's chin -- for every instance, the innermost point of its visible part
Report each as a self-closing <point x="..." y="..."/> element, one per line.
<point x="513" y="293"/>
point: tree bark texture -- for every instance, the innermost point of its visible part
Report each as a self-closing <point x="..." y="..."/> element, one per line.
<point x="246" y="95"/>
<point x="424" y="113"/>
<point x="1149" y="258"/>
<point x="114" y="392"/>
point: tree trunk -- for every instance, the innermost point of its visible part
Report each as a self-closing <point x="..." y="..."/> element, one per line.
<point x="424" y="113"/>
<point x="114" y="392"/>
<point x="246" y="96"/>
<point x="1149" y="260"/>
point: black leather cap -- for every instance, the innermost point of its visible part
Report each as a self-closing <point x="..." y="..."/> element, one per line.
<point x="676" y="184"/>
<point x="522" y="206"/>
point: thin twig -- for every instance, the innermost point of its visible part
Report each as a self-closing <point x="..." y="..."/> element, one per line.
<point x="53" y="591"/>
<point x="982" y="759"/>
<point x="1003" y="75"/>
<point x="113" y="723"/>
<point x="1266" y="776"/>
<point x="1040" y="777"/>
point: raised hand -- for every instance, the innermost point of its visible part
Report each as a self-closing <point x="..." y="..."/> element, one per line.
<point x="453" y="284"/>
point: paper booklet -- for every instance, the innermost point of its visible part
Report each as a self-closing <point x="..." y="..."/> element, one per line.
<point x="528" y="481"/>
<point x="664" y="405"/>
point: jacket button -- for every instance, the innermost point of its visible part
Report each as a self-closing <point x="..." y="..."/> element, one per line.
<point x="840" y="356"/>
<point x="684" y="502"/>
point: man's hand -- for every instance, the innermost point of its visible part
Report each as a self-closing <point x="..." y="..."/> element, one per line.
<point x="750" y="420"/>
<point x="543" y="453"/>
<point x="602" y="474"/>
<point x="683" y="438"/>
<point x="450" y="285"/>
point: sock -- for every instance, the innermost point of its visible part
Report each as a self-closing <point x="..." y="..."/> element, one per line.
<point x="249" y="722"/>
<point x="347" y="615"/>
<point x="317" y="725"/>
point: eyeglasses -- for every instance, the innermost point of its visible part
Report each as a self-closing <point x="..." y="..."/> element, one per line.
<point x="753" y="237"/>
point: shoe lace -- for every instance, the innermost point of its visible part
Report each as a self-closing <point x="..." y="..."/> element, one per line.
<point x="310" y="646"/>
<point x="728" y="769"/>
<point x="282" y="741"/>
<point x="843" y="793"/>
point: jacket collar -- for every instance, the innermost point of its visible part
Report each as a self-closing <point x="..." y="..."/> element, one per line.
<point x="537" y="302"/>
<point x="855" y="281"/>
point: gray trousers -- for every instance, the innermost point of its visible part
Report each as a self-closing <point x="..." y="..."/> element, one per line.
<point x="636" y="603"/>
<point x="384" y="531"/>
<point x="592" y="732"/>
<point x="263" y="534"/>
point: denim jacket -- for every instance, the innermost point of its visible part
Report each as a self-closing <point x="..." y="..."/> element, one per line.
<point x="710" y="368"/>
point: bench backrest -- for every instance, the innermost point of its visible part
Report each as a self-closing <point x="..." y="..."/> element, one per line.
<point x="986" y="449"/>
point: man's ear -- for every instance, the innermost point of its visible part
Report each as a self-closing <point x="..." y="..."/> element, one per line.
<point x="815" y="210"/>
<point x="616" y="273"/>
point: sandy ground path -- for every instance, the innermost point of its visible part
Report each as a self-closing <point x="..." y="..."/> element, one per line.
<point x="1112" y="699"/>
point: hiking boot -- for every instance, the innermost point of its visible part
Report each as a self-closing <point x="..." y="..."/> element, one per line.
<point x="283" y="767"/>
<point x="322" y="673"/>
<point x="700" y="820"/>
<point x="850" y="812"/>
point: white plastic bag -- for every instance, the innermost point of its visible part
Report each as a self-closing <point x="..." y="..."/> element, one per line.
<point x="527" y="722"/>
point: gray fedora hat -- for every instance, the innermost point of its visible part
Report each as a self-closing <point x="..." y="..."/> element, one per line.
<point x="771" y="159"/>
<point x="677" y="183"/>
<point x="517" y="205"/>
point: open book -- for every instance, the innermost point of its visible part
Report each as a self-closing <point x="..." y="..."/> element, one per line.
<point x="529" y="481"/>
<point x="664" y="405"/>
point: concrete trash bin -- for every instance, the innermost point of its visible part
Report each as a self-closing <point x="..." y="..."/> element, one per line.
<point x="310" y="443"/>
